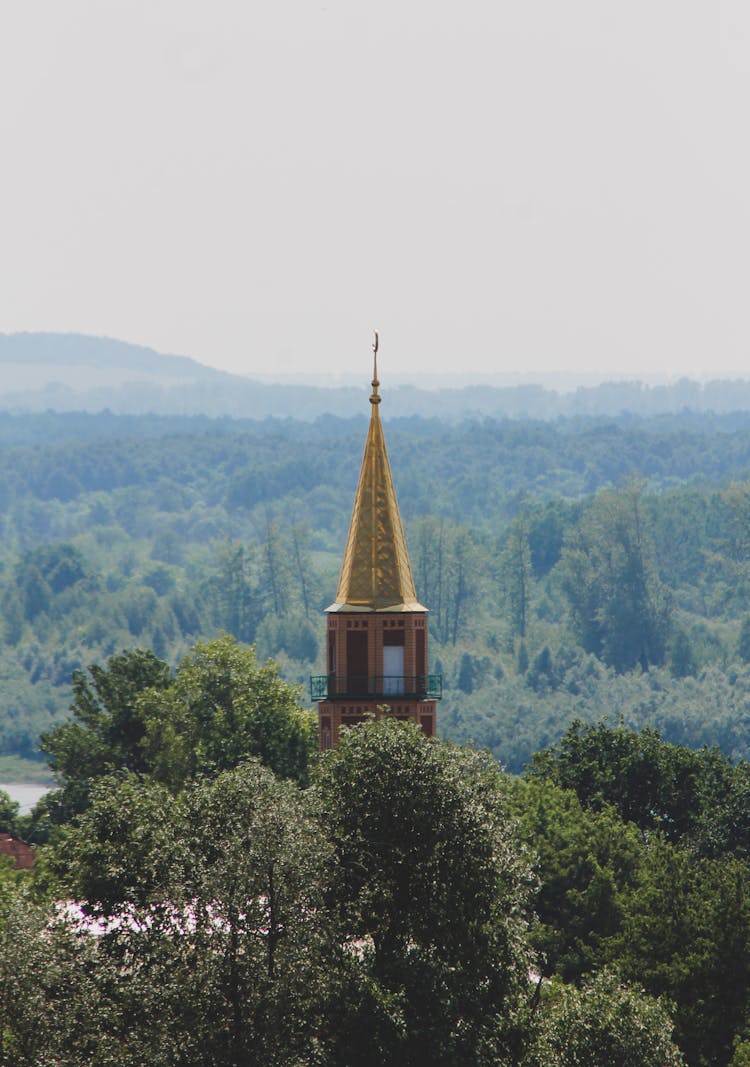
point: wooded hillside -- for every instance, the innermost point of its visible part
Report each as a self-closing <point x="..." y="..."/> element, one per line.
<point x="558" y="560"/>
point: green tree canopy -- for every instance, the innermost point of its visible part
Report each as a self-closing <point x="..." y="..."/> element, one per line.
<point x="699" y="799"/>
<point x="221" y="707"/>
<point x="201" y="937"/>
<point x="605" y="1023"/>
<point x="648" y="781"/>
<point x="135" y="714"/>
<point x="618" y="606"/>
<point x="686" y="936"/>
<point x="428" y="881"/>
<point x="106" y="729"/>
<point x="8" y="813"/>
<point x="584" y="860"/>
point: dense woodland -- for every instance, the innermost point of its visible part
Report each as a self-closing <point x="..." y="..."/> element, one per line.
<point x="572" y="569"/>
<point x="406" y="901"/>
<point x="233" y="898"/>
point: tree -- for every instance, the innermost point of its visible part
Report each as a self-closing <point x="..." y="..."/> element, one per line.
<point x="542" y="675"/>
<point x="234" y="592"/>
<point x="467" y="673"/>
<point x="462" y="585"/>
<point x="648" y="781"/>
<point x="681" y="657"/>
<point x="260" y="869"/>
<point x="736" y="500"/>
<point x="55" y="1009"/>
<point x="603" y="1022"/>
<point x="127" y="851"/>
<point x="136" y="715"/>
<point x="303" y="569"/>
<point x="723" y="825"/>
<point x="522" y="659"/>
<point x="291" y="634"/>
<point x="584" y="861"/>
<point x="428" y="557"/>
<point x="619" y="608"/>
<point x="275" y="570"/>
<point x="445" y="568"/>
<point x="741" y="1053"/>
<point x="686" y="936"/>
<point x="12" y="617"/>
<point x="545" y="535"/>
<point x="8" y="813"/>
<point x="202" y="938"/>
<point x="221" y="707"/>
<point x="427" y="883"/>
<point x="516" y="576"/>
<point x="106" y="730"/>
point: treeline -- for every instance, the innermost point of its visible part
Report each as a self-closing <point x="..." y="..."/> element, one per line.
<point x="60" y="457"/>
<point x="99" y="374"/>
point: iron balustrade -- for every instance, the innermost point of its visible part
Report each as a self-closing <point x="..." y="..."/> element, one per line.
<point x="365" y="687"/>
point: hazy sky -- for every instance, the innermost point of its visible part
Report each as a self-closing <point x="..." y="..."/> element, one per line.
<point x="540" y="185"/>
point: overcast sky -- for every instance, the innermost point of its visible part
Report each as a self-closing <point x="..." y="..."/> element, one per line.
<point x="542" y="185"/>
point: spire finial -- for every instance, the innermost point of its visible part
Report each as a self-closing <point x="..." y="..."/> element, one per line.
<point x="375" y="399"/>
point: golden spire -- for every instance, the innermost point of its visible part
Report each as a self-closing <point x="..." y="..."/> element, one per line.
<point x="376" y="573"/>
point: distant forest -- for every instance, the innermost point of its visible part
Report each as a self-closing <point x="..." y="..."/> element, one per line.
<point x="40" y="372"/>
<point x="576" y="568"/>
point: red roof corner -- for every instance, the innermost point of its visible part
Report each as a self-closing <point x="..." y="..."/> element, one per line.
<point x="20" y="855"/>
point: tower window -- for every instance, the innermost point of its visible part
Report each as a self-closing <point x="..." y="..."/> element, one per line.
<point x="356" y="653"/>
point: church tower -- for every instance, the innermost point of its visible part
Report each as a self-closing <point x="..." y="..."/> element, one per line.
<point x="376" y="643"/>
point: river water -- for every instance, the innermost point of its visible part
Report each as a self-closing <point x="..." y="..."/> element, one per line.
<point x="25" y="793"/>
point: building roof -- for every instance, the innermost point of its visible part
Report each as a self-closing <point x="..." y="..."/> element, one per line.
<point x="376" y="572"/>
<point x="21" y="855"/>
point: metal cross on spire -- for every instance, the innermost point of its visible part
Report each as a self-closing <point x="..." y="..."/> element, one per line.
<point x="375" y="399"/>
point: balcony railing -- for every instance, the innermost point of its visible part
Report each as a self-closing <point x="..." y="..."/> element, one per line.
<point x="367" y="687"/>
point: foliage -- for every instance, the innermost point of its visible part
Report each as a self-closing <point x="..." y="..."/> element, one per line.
<point x="447" y="568"/>
<point x="516" y="715"/>
<point x="619" y="608"/>
<point x="634" y="607"/>
<point x="649" y="782"/>
<point x="127" y="849"/>
<point x="584" y="860"/>
<point x="698" y="799"/>
<point x="686" y="936"/>
<point x="8" y="813"/>
<point x="55" y="1007"/>
<point x="106" y="730"/>
<point x="741" y="1053"/>
<point x="515" y="568"/>
<point x="161" y="532"/>
<point x="202" y="939"/>
<point x="603" y="1022"/>
<point x="427" y="880"/>
<point x="382" y="915"/>
<point x="217" y="926"/>
<point x="221" y="707"/>
<point x="669" y="907"/>
<point x="134" y="714"/>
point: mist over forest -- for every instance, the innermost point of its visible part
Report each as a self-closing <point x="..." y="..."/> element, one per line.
<point x="75" y="372"/>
